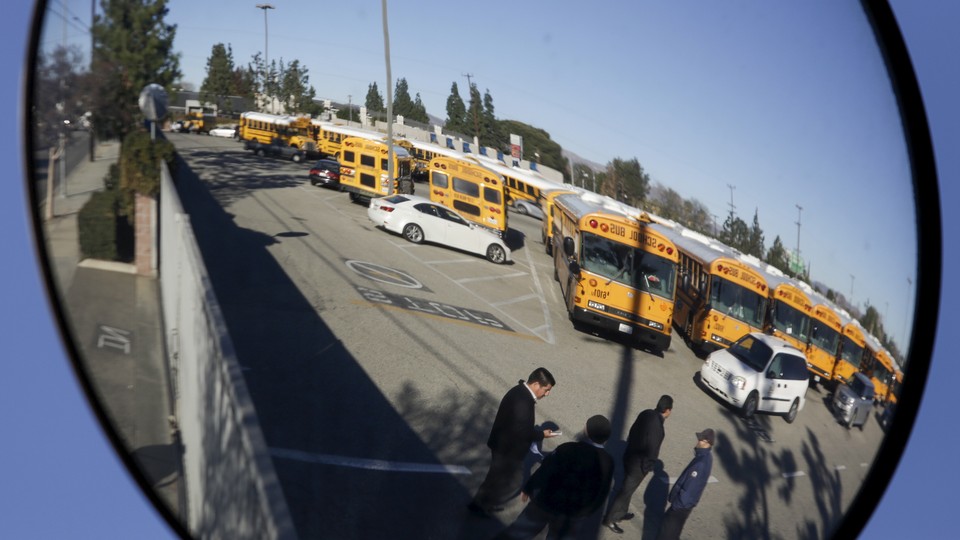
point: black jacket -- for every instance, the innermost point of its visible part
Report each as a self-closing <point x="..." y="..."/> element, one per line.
<point x="513" y="429"/>
<point x="573" y="481"/>
<point x="644" y="440"/>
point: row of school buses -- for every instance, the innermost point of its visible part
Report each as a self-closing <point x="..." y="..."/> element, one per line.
<point x="620" y="269"/>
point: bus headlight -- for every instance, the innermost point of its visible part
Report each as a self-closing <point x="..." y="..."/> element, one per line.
<point x="739" y="382"/>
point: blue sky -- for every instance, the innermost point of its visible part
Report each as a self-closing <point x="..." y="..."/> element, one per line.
<point x="696" y="125"/>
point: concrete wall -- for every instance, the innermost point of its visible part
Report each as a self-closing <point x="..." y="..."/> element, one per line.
<point x="232" y="488"/>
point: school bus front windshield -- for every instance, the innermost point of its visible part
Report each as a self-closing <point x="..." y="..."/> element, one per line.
<point x="791" y="321"/>
<point x="628" y="265"/>
<point x="737" y="301"/>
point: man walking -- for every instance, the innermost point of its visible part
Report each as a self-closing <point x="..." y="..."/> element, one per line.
<point x="687" y="490"/>
<point x="569" y="486"/>
<point x="639" y="458"/>
<point x="510" y="438"/>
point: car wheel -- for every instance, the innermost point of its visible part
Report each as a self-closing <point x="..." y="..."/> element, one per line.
<point x="297" y="158"/>
<point x="522" y="209"/>
<point x="750" y="405"/>
<point x="496" y="254"/>
<point x="260" y="152"/>
<point x="853" y="414"/>
<point x="792" y="413"/>
<point x="413" y="233"/>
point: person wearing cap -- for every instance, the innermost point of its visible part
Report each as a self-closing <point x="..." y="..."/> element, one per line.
<point x="514" y="430"/>
<point x="642" y="451"/>
<point x="571" y="484"/>
<point x="689" y="487"/>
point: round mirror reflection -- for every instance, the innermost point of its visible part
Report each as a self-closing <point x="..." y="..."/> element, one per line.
<point x="298" y="319"/>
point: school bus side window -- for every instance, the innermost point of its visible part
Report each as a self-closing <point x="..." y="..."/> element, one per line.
<point x="467" y="188"/>
<point x="440" y="180"/>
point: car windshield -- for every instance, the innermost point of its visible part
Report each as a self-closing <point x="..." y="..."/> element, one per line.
<point x="752" y="352"/>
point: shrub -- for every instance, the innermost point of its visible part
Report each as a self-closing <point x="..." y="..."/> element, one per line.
<point x="97" y="226"/>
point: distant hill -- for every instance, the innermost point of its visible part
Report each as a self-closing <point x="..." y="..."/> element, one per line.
<point x="575" y="158"/>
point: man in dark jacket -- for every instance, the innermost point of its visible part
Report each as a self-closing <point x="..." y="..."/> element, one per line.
<point x="510" y="438"/>
<point x="570" y="485"/>
<point x="643" y="449"/>
<point x="689" y="487"/>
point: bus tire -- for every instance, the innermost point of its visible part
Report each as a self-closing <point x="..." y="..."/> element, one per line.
<point x="792" y="413"/>
<point x="496" y="254"/>
<point x="413" y="233"/>
<point x="750" y="405"/>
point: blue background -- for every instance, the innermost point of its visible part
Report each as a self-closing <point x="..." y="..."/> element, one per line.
<point x="60" y="478"/>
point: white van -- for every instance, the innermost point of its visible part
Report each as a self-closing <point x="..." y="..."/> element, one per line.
<point x="759" y="372"/>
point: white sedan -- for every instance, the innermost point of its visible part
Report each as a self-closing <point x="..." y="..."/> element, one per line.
<point x="420" y="220"/>
<point x="224" y="131"/>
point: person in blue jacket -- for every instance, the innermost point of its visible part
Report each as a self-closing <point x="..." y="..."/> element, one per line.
<point x="689" y="486"/>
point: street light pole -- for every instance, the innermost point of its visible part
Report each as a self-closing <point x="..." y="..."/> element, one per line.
<point x="266" y="50"/>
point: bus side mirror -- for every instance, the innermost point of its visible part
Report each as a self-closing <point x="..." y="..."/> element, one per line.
<point x="568" y="247"/>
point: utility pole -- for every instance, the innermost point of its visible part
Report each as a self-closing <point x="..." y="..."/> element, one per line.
<point x="386" y="54"/>
<point x="851" y="288"/>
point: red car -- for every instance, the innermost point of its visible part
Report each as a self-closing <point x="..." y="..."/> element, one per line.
<point x="325" y="172"/>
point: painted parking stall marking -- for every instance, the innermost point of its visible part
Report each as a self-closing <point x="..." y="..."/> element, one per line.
<point x="113" y="338"/>
<point x="430" y="307"/>
<point x="384" y="274"/>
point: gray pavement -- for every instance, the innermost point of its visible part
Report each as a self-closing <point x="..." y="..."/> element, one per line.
<point x="114" y="321"/>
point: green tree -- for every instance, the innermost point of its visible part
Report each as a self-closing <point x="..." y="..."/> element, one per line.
<point x="59" y="93"/>
<point x="132" y="47"/>
<point x="456" y="112"/>
<point x="419" y="113"/>
<point x="295" y="89"/>
<point x="219" y="82"/>
<point x="490" y="133"/>
<point x="754" y="240"/>
<point x="698" y="217"/>
<point x="535" y="141"/>
<point x="735" y="233"/>
<point x="244" y="82"/>
<point x="626" y="181"/>
<point x="474" y="111"/>
<point x="778" y="257"/>
<point x="402" y="102"/>
<point x="374" y="100"/>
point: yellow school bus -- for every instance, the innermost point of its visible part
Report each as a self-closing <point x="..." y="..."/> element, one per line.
<point x="880" y="369"/>
<point x="266" y="128"/>
<point x="364" y="169"/>
<point x="546" y="204"/>
<point x="471" y="189"/>
<point x="788" y="314"/>
<point x="616" y="271"/>
<point x="721" y="294"/>
<point x="520" y="183"/>
<point x="824" y="341"/>
<point x="895" y="384"/>
<point x="852" y="345"/>
<point x="329" y="137"/>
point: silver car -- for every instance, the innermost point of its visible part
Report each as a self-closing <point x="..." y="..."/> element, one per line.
<point x="853" y="401"/>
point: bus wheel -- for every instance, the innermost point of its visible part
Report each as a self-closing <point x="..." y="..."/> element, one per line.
<point x="750" y="405"/>
<point x="414" y="233"/>
<point x="792" y="413"/>
<point x="496" y="254"/>
<point x="353" y="197"/>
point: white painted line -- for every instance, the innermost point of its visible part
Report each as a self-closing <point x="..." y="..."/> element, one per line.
<point x="841" y="467"/>
<point x="515" y="300"/>
<point x="864" y="464"/>
<point x="794" y="474"/>
<point x="369" y="464"/>
<point x="543" y="304"/>
<point x="488" y="278"/>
